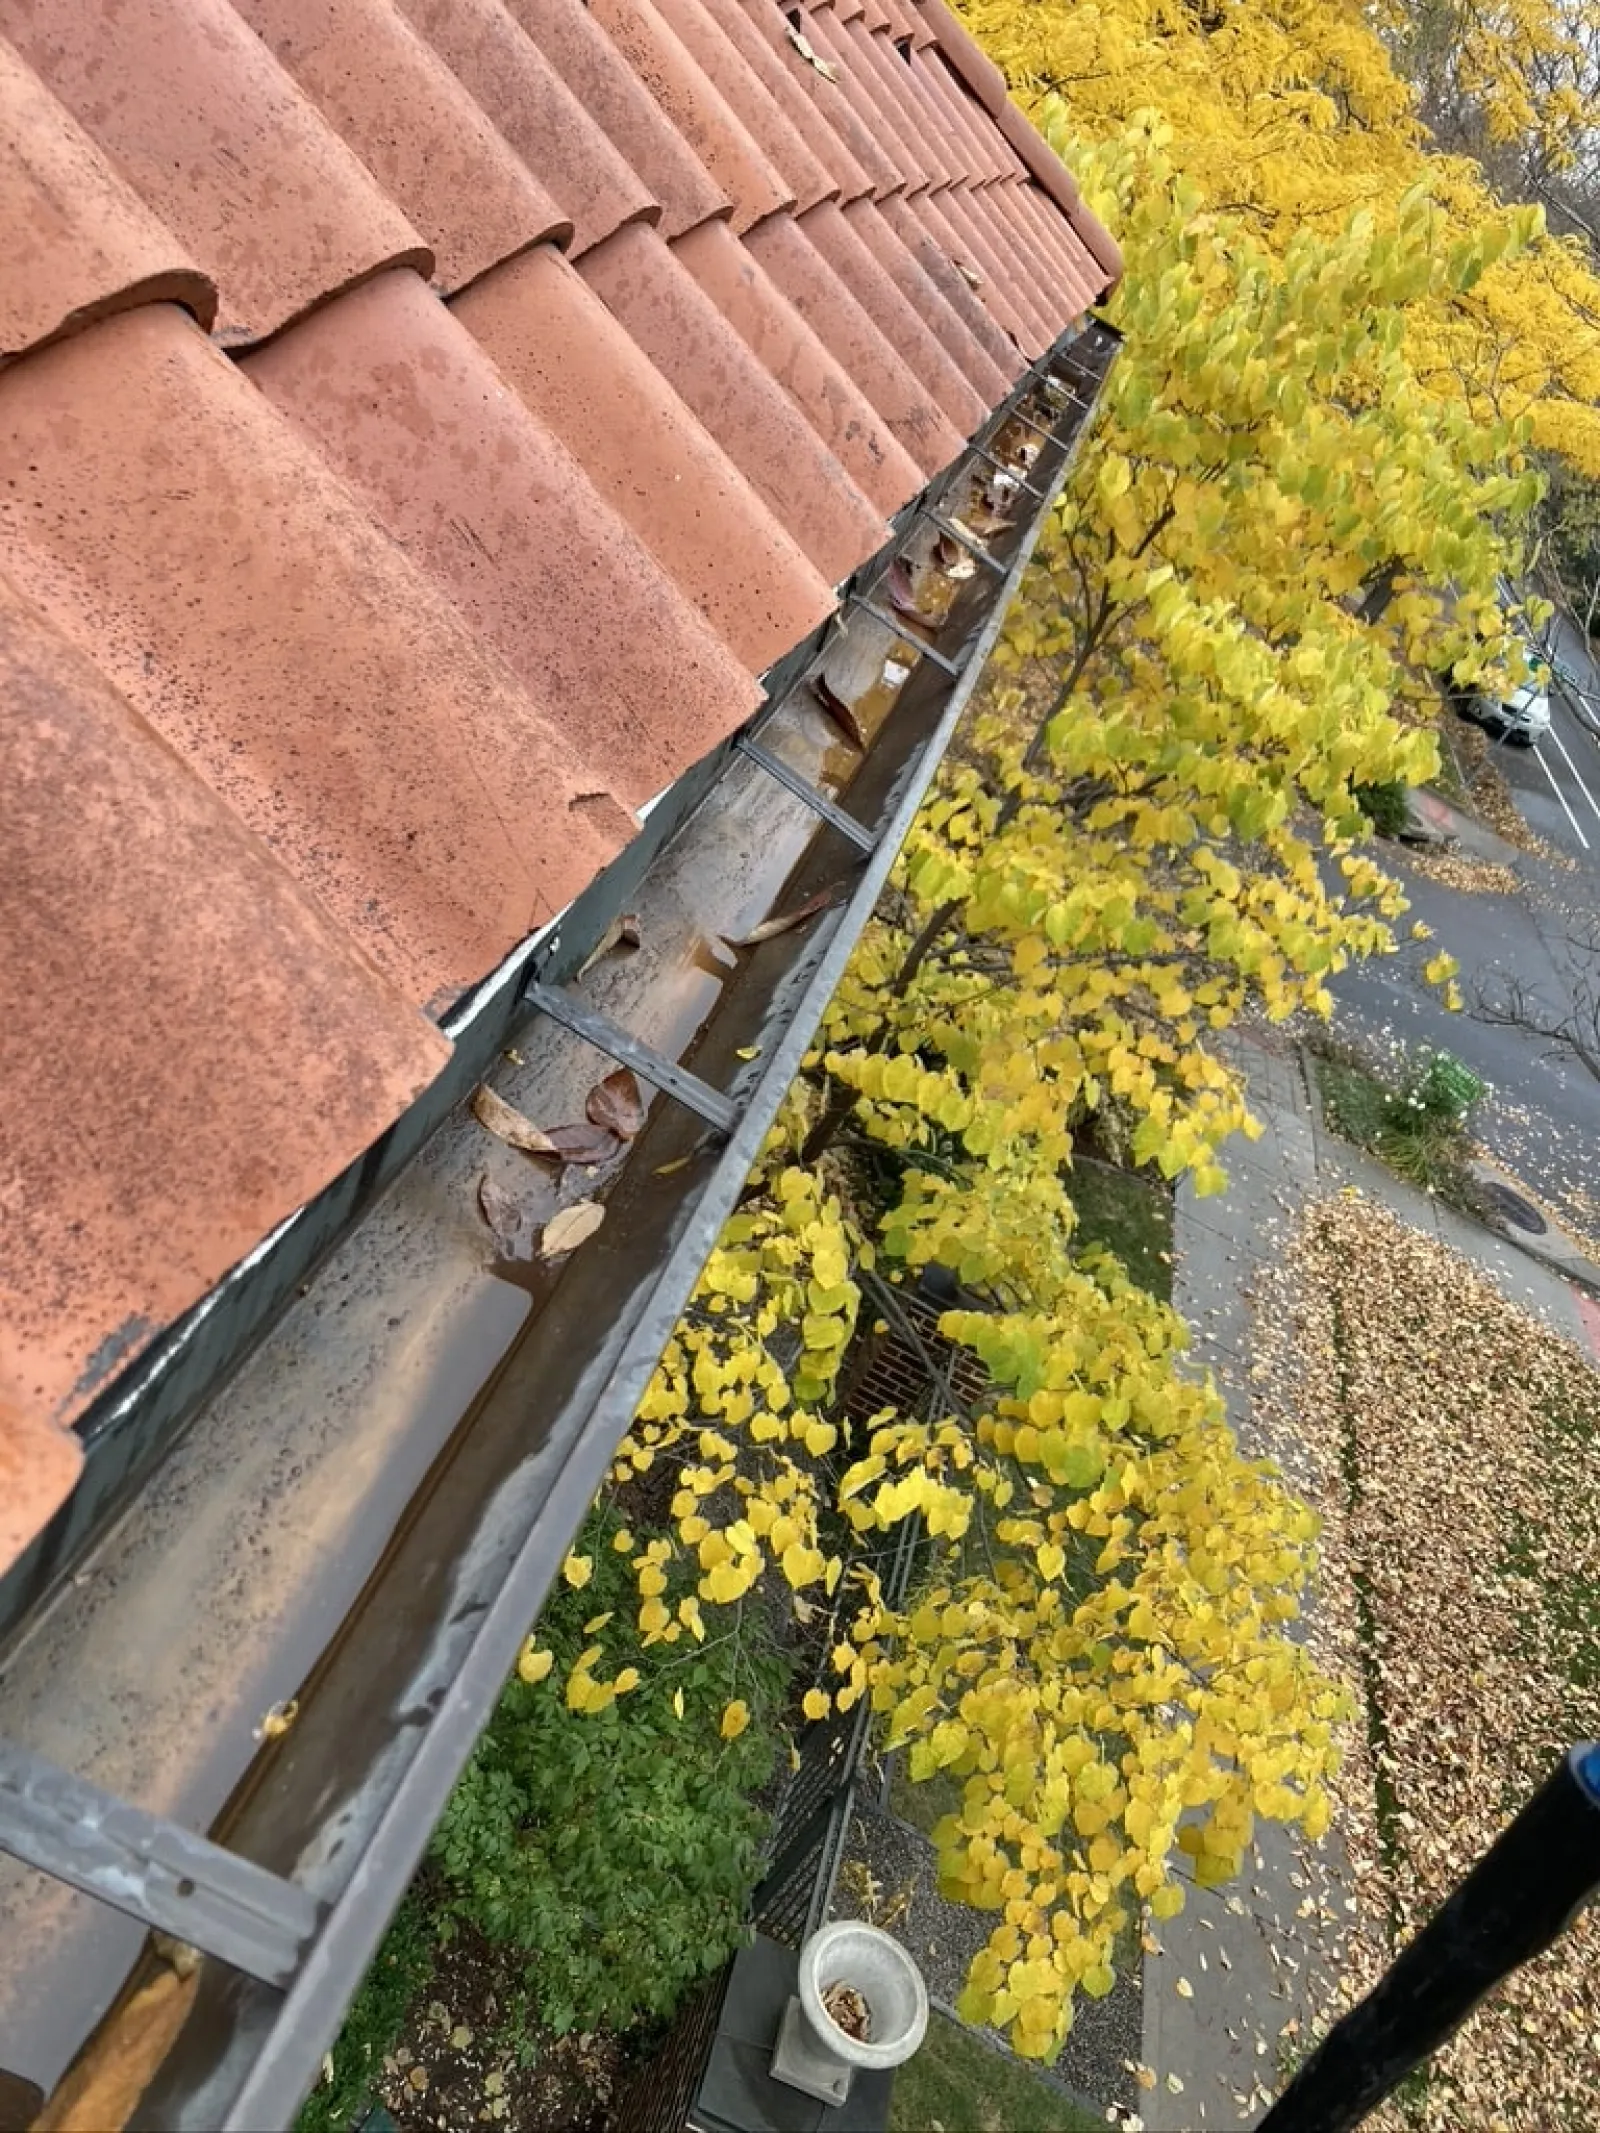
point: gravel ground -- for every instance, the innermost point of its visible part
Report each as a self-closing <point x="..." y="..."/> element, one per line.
<point x="944" y="1937"/>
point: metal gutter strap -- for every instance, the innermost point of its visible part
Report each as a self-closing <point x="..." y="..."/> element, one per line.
<point x="153" y="1870"/>
<point x="308" y="2020"/>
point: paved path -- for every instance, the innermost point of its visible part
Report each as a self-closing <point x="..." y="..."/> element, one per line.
<point x="1256" y="1955"/>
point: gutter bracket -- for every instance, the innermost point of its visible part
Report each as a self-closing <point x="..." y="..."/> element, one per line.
<point x="1011" y="474"/>
<point x="975" y="548"/>
<point x="791" y="780"/>
<point x="617" y="1043"/>
<point x="907" y="630"/>
<point x="151" y="1869"/>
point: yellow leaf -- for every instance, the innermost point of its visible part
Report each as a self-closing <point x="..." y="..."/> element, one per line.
<point x="677" y="1702"/>
<point x="578" y="1569"/>
<point x="734" y="1719"/>
<point x="817" y="1703"/>
<point x="534" y="1664"/>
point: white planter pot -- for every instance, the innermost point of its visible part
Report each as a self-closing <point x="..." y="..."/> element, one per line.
<point x="814" y="2054"/>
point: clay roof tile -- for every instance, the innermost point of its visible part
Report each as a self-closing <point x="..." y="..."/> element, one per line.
<point x="287" y="649"/>
<point x="223" y="148"/>
<point x="233" y="1050"/>
<point x="432" y="148"/>
<point x="77" y="242"/>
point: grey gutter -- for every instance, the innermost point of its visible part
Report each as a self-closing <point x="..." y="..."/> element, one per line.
<point x="343" y="1808"/>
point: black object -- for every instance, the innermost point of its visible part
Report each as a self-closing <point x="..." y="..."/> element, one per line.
<point x="1520" y="1897"/>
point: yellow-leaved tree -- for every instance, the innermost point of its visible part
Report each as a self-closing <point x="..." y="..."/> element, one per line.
<point x="1285" y="524"/>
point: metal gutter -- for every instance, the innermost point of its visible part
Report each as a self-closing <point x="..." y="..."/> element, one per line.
<point x="340" y="1810"/>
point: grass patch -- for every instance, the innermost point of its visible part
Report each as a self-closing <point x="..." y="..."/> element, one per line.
<point x="1126" y="1215"/>
<point x="1411" y="1121"/>
<point x="960" y="2083"/>
<point x="400" y="1971"/>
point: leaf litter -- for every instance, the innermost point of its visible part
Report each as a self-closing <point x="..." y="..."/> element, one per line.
<point x="1451" y="1441"/>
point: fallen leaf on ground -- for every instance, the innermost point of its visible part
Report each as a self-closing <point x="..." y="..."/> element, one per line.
<point x="509" y="1222"/>
<point x="507" y="1123"/>
<point x="786" y="921"/>
<point x="839" y="711"/>
<point x="616" y="1104"/>
<point x="623" y="932"/>
<point x="278" y="1720"/>
<point x="566" y="1231"/>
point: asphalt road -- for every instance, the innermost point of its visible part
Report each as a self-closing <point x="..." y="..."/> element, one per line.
<point x="1542" y="1120"/>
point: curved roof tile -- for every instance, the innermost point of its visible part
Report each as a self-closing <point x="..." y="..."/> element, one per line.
<point x="352" y="657"/>
<point x="223" y="148"/>
<point x="77" y="242"/>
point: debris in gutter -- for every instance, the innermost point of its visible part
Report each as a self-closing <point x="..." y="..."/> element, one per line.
<point x="903" y="596"/>
<point x="616" y="1105"/>
<point x="623" y="932"/>
<point x="508" y="1124"/>
<point x="786" y="921"/>
<point x="102" y="2089"/>
<point x="278" y="1720"/>
<point x="510" y="1223"/>
<point x="839" y="711"/>
<point x="566" y="1231"/>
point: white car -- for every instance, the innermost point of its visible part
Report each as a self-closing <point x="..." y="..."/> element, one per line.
<point x="1521" y="718"/>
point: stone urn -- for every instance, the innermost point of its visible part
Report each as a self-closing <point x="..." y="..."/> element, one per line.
<point x="859" y="2002"/>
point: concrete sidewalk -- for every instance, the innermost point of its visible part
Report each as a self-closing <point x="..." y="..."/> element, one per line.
<point x="1228" y="1999"/>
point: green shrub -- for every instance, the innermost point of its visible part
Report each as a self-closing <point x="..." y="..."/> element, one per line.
<point x="1415" y="1123"/>
<point x="1385" y="806"/>
<point x="615" y="1849"/>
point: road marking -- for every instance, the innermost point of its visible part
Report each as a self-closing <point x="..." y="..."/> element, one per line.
<point x="1560" y="795"/>
<point x="1555" y="735"/>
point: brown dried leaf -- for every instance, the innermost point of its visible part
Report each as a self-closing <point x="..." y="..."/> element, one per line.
<point x="566" y="1231"/>
<point x="623" y="932"/>
<point x="586" y="1144"/>
<point x="903" y="595"/>
<point x="786" y="921"/>
<point x="506" y="1123"/>
<point x="827" y="68"/>
<point x="970" y="275"/>
<point x="616" y="1104"/>
<point x="509" y="1222"/>
<point x="839" y="711"/>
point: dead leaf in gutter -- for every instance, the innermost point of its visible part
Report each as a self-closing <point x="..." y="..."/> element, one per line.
<point x="954" y="562"/>
<point x="786" y="921"/>
<point x="827" y="68"/>
<point x="585" y="1145"/>
<point x="509" y="1222"/>
<point x="616" y="1104"/>
<point x="970" y="275"/>
<point x="903" y="596"/>
<point x="668" y="1170"/>
<point x="278" y="1720"/>
<point x="566" y="1231"/>
<point x="508" y="1124"/>
<point x="623" y="932"/>
<point x="839" y="711"/>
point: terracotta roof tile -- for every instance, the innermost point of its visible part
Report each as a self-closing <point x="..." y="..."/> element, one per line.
<point x="78" y="244"/>
<point x="564" y="354"/>
<point x="707" y="120"/>
<point x="220" y="144"/>
<point x="287" y="649"/>
<point x="410" y="120"/>
<point x="550" y="128"/>
<point x="638" y="128"/>
<point x="358" y="620"/>
<point x="409" y="408"/>
<point x="194" y="1044"/>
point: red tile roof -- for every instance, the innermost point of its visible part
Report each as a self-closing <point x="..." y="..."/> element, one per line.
<point x="420" y="426"/>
